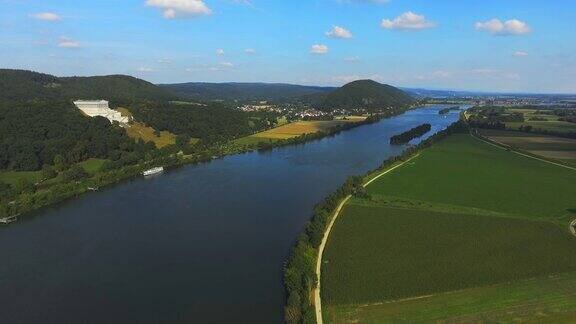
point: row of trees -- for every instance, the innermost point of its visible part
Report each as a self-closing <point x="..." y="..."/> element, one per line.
<point x="535" y="130"/>
<point x="300" y="270"/>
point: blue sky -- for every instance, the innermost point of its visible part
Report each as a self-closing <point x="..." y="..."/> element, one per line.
<point x="493" y="45"/>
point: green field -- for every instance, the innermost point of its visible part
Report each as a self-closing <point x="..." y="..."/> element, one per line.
<point x="91" y="166"/>
<point x="548" y="122"/>
<point x="454" y="222"/>
<point x="13" y="177"/>
<point x="552" y="125"/>
<point x="463" y="171"/>
<point x="550" y="300"/>
<point x="253" y="140"/>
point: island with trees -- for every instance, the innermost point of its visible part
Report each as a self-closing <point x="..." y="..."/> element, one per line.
<point x="411" y="134"/>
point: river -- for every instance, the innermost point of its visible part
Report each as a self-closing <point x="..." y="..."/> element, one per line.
<point x="203" y="243"/>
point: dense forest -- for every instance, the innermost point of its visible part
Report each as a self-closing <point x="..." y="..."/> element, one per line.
<point x="18" y="85"/>
<point x="33" y="134"/>
<point x="272" y="92"/>
<point x="40" y="126"/>
<point x="409" y="135"/>
<point x="368" y="95"/>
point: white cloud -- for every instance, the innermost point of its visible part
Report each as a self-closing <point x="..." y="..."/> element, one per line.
<point x="221" y="67"/>
<point x="319" y="49"/>
<point x="352" y="59"/>
<point x="364" y="1"/>
<point x="520" y="54"/>
<point x="66" y="42"/>
<point x="164" y="61"/>
<point x="408" y="21"/>
<point x="250" y="51"/>
<point x="46" y="16"/>
<point x="145" y="69"/>
<point x="220" y="52"/>
<point x="509" y="27"/>
<point x="339" y="32"/>
<point x="172" y="9"/>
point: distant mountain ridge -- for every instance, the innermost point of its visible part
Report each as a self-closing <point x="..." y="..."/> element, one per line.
<point x="232" y="91"/>
<point x="16" y="85"/>
<point x="366" y="94"/>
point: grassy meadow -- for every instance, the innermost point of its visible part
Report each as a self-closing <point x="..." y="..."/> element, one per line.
<point x="13" y="177"/>
<point x="470" y="225"/>
<point x="92" y="166"/>
<point x="462" y="170"/>
<point x="138" y="130"/>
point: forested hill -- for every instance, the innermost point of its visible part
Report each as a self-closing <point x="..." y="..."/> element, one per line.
<point x="366" y="94"/>
<point x="273" y="92"/>
<point x="39" y="123"/>
<point x="19" y="85"/>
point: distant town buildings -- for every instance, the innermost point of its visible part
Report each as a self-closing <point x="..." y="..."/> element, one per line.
<point x="95" y="108"/>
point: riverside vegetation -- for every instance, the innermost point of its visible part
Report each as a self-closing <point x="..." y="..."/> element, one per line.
<point x="299" y="275"/>
<point x="45" y="142"/>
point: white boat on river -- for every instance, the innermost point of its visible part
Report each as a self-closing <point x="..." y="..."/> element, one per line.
<point x="153" y="171"/>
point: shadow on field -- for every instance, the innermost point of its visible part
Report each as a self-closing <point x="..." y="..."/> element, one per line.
<point x="572" y="210"/>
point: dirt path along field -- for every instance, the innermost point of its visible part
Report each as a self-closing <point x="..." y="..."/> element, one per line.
<point x="317" y="299"/>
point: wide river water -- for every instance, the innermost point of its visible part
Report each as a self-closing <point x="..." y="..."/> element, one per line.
<point x="203" y="243"/>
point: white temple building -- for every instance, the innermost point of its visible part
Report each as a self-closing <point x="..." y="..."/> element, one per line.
<point x="95" y="108"/>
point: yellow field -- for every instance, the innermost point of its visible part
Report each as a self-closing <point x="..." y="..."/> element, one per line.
<point x="352" y="118"/>
<point x="139" y="130"/>
<point x="300" y="128"/>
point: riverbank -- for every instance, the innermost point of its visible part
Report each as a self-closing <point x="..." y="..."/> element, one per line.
<point x="301" y="272"/>
<point x="35" y="199"/>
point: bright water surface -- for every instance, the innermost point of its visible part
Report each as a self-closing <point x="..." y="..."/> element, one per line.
<point x="202" y="244"/>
